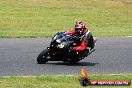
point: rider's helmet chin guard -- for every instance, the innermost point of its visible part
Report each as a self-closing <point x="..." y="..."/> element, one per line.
<point x="79" y="27"/>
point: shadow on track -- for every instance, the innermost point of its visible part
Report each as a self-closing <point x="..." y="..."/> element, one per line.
<point x="76" y="64"/>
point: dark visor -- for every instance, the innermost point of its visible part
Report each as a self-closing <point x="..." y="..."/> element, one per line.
<point x="78" y="29"/>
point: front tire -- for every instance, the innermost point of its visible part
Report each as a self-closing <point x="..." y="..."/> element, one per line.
<point x="42" y="57"/>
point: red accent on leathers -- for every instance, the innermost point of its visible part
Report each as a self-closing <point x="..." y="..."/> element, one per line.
<point x="81" y="47"/>
<point x="83" y="43"/>
<point x="70" y="32"/>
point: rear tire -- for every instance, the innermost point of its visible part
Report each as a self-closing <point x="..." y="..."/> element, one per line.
<point x="91" y="42"/>
<point x="73" y="61"/>
<point x="42" y="57"/>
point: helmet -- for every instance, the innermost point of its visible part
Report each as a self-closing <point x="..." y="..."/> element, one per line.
<point x="79" y="27"/>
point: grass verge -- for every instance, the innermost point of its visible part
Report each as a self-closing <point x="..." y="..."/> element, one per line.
<point x="43" y="18"/>
<point x="56" y="81"/>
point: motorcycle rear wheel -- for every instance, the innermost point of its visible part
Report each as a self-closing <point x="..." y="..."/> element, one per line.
<point x="42" y="57"/>
<point x="73" y="61"/>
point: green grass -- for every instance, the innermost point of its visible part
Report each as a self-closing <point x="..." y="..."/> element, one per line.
<point x="57" y="81"/>
<point x="43" y="18"/>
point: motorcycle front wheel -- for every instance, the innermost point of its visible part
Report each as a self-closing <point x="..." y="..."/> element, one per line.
<point x="42" y="57"/>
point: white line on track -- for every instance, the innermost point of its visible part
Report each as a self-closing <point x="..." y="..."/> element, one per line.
<point x="128" y="36"/>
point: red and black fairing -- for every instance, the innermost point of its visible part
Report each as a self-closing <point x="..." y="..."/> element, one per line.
<point x="60" y="46"/>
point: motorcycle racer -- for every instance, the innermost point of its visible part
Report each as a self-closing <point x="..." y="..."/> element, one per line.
<point x="86" y="37"/>
<point x="70" y="46"/>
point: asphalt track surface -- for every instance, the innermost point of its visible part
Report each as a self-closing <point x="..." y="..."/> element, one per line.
<point x="113" y="55"/>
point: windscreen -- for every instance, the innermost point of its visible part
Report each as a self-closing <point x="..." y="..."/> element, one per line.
<point x="64" y="37"/>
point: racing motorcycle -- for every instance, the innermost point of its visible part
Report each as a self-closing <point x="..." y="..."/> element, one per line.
<point x="61" y="49"/>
